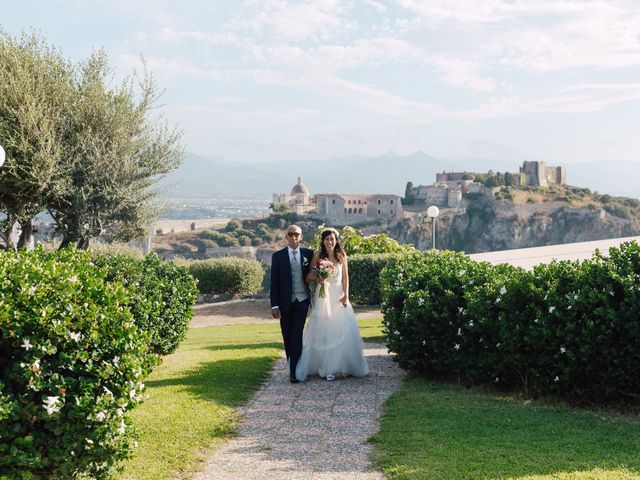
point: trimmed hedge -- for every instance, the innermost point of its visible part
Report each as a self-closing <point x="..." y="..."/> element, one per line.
<point x="364" y="274"/>
<point x="162" y="294"/>
<point x="227" y="275"/>
<point x="567" y="328"/>
<point x="72" y="362"/>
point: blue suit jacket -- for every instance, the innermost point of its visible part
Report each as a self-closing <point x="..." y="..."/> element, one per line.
<point x="281" y="283"/>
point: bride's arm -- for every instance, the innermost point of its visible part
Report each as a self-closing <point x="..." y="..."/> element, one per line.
<point x="345" y="281"/>
<point x="312" y="277"/>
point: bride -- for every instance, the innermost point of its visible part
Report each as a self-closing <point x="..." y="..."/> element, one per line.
<point x="331" y="344"/>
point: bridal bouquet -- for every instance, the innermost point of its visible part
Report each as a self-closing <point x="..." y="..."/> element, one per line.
<point x="325" y="270"/>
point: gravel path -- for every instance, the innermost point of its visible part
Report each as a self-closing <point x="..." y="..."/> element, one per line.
<point x="316" y="430"/>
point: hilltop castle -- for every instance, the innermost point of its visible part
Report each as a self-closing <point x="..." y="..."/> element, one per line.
<point x="449" y="187"/>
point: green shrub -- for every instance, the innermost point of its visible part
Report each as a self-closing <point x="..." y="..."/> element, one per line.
<point x="72" y="362"/>
<point x="364" y="277"/>
<point x="162" y="294"/>
<point x="566" y="328"/>
<point x="227" y="275"/>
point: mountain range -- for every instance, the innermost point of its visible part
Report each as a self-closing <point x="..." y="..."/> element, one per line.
<point x="201" y="176"/>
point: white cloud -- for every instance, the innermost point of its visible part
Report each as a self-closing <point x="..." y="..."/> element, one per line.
<point x="587" y="98"/>
<point x="306" y="20"/>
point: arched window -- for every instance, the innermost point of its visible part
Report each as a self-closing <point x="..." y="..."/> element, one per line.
<point x="349" y="210"/>
<point x="359" y="210"/>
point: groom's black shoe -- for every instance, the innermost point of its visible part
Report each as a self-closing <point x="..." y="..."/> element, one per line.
<point x="293" y="379"/>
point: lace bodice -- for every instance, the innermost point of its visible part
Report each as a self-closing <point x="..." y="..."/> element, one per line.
<point x="337" y="278"/>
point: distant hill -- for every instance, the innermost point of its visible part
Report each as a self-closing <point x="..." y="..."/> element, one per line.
<point x="388" y="173"/>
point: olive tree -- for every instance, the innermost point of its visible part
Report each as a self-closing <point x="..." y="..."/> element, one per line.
<point x="116" y="152"/>
<point x="89" y="153"/>
<point x="36" y="83"/>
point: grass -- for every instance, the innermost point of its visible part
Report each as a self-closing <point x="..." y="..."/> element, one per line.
<point x="437" y="431"/>
<point x="192" y="398"/>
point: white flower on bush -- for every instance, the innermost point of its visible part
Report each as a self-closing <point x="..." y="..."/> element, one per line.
<point x="396" y="332"/>
<point x="420" y="301"/>
<point x="26" y="344"/>
<point x="456" y="346"/>
<point x="108" y="392"/>
<point x="36" y="364"/>
<point x="497" y="379"/>
<point x="122" y="427"/>
<point x="503" y="290"/>
<point x="52" y="404"/>
<point x="470" y="323"/>
<point x="562" y="349"/>
<point x="462" y="272"/>
<point x="75" y="336"/>
<point x="424" y="343"/>
<point x="551" y="309"/>
<point x="116" y="360"/>
<point x="498" y="300"/>
<point x="73" y="279"/>
<point x="557" y="379"/>
<point x="459" y="332"/>
<point x="32" y="290"/>
<point x="460" y="310"/>
<point x="101" y="416"/>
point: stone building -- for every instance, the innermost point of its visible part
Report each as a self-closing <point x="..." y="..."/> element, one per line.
<point x="443" y="194"/>
<point x="534" y="173"/>
<point x="299" y="200"/>
<point x="350" y="209"/>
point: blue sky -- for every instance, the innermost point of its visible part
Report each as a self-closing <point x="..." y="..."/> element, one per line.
<point x="285" y="80"/>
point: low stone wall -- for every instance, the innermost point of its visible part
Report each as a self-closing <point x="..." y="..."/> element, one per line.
<point x="225" y="297"/>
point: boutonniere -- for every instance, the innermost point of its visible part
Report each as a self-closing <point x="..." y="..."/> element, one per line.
<point x="305" y="261"/>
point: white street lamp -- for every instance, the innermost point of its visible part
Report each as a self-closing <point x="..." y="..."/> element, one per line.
<point x="2" y="155"/>
<point x="433" y="212"/>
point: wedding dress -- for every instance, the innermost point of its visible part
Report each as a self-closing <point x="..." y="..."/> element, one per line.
<point x="331" y="343"/>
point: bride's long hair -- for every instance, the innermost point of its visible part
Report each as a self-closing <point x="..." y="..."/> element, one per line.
<point x="337" y="250"/>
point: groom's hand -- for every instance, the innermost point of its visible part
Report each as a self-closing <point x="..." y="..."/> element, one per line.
<point x="275" y="312"/>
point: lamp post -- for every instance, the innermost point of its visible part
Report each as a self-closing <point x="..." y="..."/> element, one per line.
<point x="433" y="212"/>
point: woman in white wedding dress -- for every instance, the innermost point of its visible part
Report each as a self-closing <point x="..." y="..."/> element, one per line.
<point x="331" y="344"/>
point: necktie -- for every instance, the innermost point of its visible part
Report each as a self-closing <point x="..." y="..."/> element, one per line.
<point x="295" y="255"/>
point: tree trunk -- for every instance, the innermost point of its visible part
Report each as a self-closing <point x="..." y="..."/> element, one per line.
<point x="83" y="243"/>
<point x="66" y="241"/>
<point x="11" y="235"/>
<point x="26" y="235"/>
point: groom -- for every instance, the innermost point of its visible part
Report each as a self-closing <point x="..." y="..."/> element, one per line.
<point x="290" y="294"/>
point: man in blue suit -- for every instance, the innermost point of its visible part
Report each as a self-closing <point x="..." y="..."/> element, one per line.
<point x="290" y="294"/>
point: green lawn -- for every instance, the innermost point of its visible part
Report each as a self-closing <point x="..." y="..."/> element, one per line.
<point x="437" y="431"/>
<point x="191" y="399"/>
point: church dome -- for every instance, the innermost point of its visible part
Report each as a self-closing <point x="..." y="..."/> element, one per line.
<point x="300" y="188"/>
